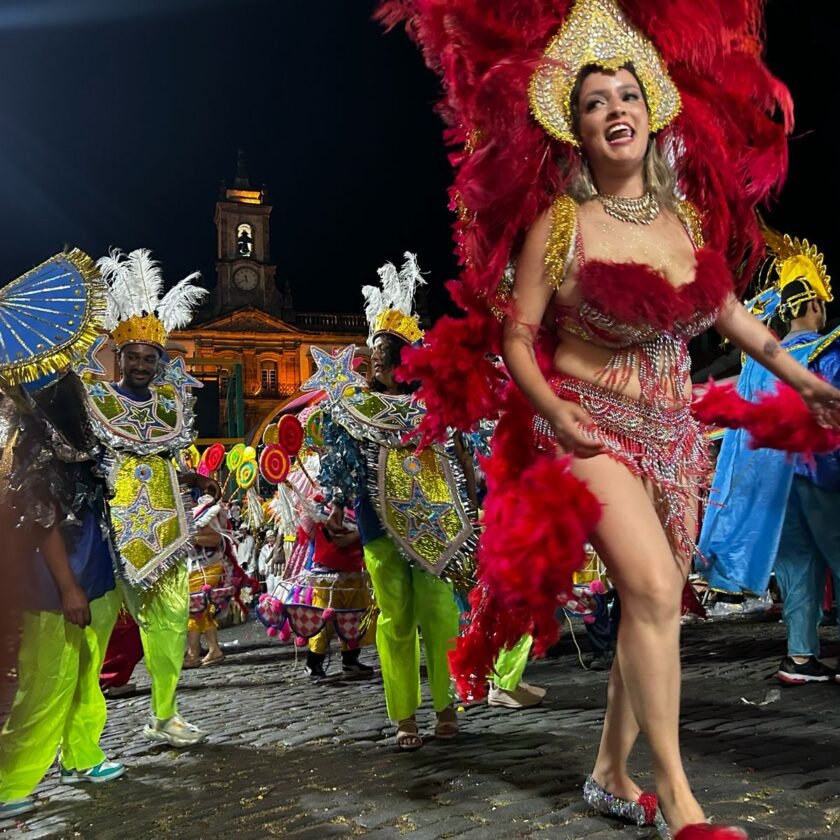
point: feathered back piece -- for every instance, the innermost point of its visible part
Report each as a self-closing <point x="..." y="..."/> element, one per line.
<point x="728" y="141"/>
<point x="138" y="311"/>
<point x="390" y="308"/>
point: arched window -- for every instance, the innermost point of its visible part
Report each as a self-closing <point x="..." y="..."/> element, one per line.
<point x="244" y="240"/>
<point x="268" y="376"/>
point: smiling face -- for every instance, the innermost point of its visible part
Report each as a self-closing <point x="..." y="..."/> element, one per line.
<point x="139" y="363"/>
<point x="613" y="122"/>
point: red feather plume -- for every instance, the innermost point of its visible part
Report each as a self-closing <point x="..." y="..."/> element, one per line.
<point x="729" y="140"/>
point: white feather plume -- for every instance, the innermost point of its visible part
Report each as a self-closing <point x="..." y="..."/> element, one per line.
<point x="135" y="285"/>
<point x="397" y="289"/>
<point x="175" y="310"/>
<point x="374" y="303"/>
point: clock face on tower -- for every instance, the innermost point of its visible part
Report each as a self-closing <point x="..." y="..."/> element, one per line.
<point x="246" y="278"/>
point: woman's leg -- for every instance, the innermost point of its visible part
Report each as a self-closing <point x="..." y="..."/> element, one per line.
<point x="617" y="739"/>
<point x="631" y="542"/>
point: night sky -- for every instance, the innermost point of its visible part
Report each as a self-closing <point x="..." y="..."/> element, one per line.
<point x="119" y="125"/>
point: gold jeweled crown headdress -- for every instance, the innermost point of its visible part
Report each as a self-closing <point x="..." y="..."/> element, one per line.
<point x="138" y="311"/>
<point x="390" y="309"/>
<point x="596" y="32"/>
<point x="790" y="259"/>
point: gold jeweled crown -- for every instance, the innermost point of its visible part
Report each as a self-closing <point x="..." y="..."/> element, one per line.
<point x="138" y="311"/>
<point x="389" y="309"/>
<point x="140" y="329"/>
<point x="597" y="33"/>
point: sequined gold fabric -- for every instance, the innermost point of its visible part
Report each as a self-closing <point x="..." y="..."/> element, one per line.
<point x="596" y="32"/>
<point x="147" y="510"/>
<point x="558" y="249"/>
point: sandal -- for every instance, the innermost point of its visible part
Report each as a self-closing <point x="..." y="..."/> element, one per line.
<point x="213" y="660"/>
<point x="191" y="661"/>
<point x="407" y="736"/>
<point x="447" y="724"/>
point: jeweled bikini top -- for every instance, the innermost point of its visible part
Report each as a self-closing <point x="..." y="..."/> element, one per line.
<point x="625" y="304"/>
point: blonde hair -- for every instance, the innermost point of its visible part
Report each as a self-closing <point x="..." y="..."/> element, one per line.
<point x="660" y="179"/>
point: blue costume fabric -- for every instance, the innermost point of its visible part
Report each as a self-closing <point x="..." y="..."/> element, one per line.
<point x="743" y="523"/>
<point x="343" y="476"/>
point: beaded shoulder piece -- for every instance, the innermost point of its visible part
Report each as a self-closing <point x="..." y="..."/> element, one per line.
<point x="560" y="239"/>
<point x="832" y="338"/>
<point x="690" y="216"/>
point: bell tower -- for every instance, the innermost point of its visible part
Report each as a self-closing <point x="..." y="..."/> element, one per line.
<point x="244" y="271"/>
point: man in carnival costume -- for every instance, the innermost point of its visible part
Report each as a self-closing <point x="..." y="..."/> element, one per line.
<point x="142" y="422"/>
<point x="769" y="512"/>
<point x="52" y="498"/>
<point x="412" y="507"/>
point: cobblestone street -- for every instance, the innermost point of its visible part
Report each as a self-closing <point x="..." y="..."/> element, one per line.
<point x="286" y="758"/>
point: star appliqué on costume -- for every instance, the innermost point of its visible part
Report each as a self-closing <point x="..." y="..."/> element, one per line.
<point x="334" y="373"/>
<point x="422" y="516"/>
<point x="88" y="365"/>
<point x="140" y="419"/>
<point x="142" y="520"/>
<point x="177" y="375"/>
<point x="406" y="410"/>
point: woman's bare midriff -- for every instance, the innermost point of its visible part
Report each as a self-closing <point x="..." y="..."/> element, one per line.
<point x="586" y="361"/>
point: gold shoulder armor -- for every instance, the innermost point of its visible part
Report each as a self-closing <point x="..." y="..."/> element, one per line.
<point x="560" y="238"/>
<point x="689" y="215"/>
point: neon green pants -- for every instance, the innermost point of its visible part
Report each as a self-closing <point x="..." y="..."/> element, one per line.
<point x="164" y="612"/>
<point x="408" y="597"/>
<point x="510" y="664"/>
<point x="58" y="702"/>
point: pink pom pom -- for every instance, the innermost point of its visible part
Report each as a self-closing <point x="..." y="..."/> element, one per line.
<point x="300" y="641"/>
<point x="328" y="614"/>
<point x="589" y="619"/>
<point x="206" y="588"/>
<point x="285" y="633"/>
<point x="273" y="632"/>
<point x="598" y="588"/>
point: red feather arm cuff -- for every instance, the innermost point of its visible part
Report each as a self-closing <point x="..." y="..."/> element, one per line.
<point x="779" y="420"/>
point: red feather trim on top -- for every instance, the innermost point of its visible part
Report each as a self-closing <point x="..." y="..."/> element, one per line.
<point x="780" y="420"/>
<point x="537" y="518"/>
<point x="633" y="293"/>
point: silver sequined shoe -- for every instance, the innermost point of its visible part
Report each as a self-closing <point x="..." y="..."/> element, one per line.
<point x="645" y="811"/>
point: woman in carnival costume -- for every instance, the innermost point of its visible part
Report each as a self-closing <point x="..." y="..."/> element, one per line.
<point x="215" y="579"/>
<point x="143" y="422"/>
<point x="412" y="507"/>
<point x="52" y="498"/>
<point x="615" y="153"/>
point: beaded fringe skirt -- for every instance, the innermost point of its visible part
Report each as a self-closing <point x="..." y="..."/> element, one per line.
<point x="662" y="444"/>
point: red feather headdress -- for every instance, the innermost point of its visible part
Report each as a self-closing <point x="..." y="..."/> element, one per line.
<point x="729" y="143"/>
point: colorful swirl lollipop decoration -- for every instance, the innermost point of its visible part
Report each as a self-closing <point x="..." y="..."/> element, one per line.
<point x="246" y="474"/>
<point x="234" y="457"/>
<point x="274" y="464"/>
<point x="213" y="456"/>
<point x="290" y="434"/>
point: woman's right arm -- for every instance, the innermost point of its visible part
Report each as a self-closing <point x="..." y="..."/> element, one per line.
<point x="531" y="297"/>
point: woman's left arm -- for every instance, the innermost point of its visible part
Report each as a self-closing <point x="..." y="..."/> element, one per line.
<point x="748" y="334"/>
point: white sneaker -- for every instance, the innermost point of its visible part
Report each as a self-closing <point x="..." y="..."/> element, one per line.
<point x="519" y="698"/>
<point x="175" y="731"/>
<point x="105" y="771"/>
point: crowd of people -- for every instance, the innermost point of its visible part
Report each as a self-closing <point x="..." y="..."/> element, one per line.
<point x="602" y="212"/>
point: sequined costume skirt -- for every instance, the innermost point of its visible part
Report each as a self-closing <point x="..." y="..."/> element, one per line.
<point x="663" y="444"/>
